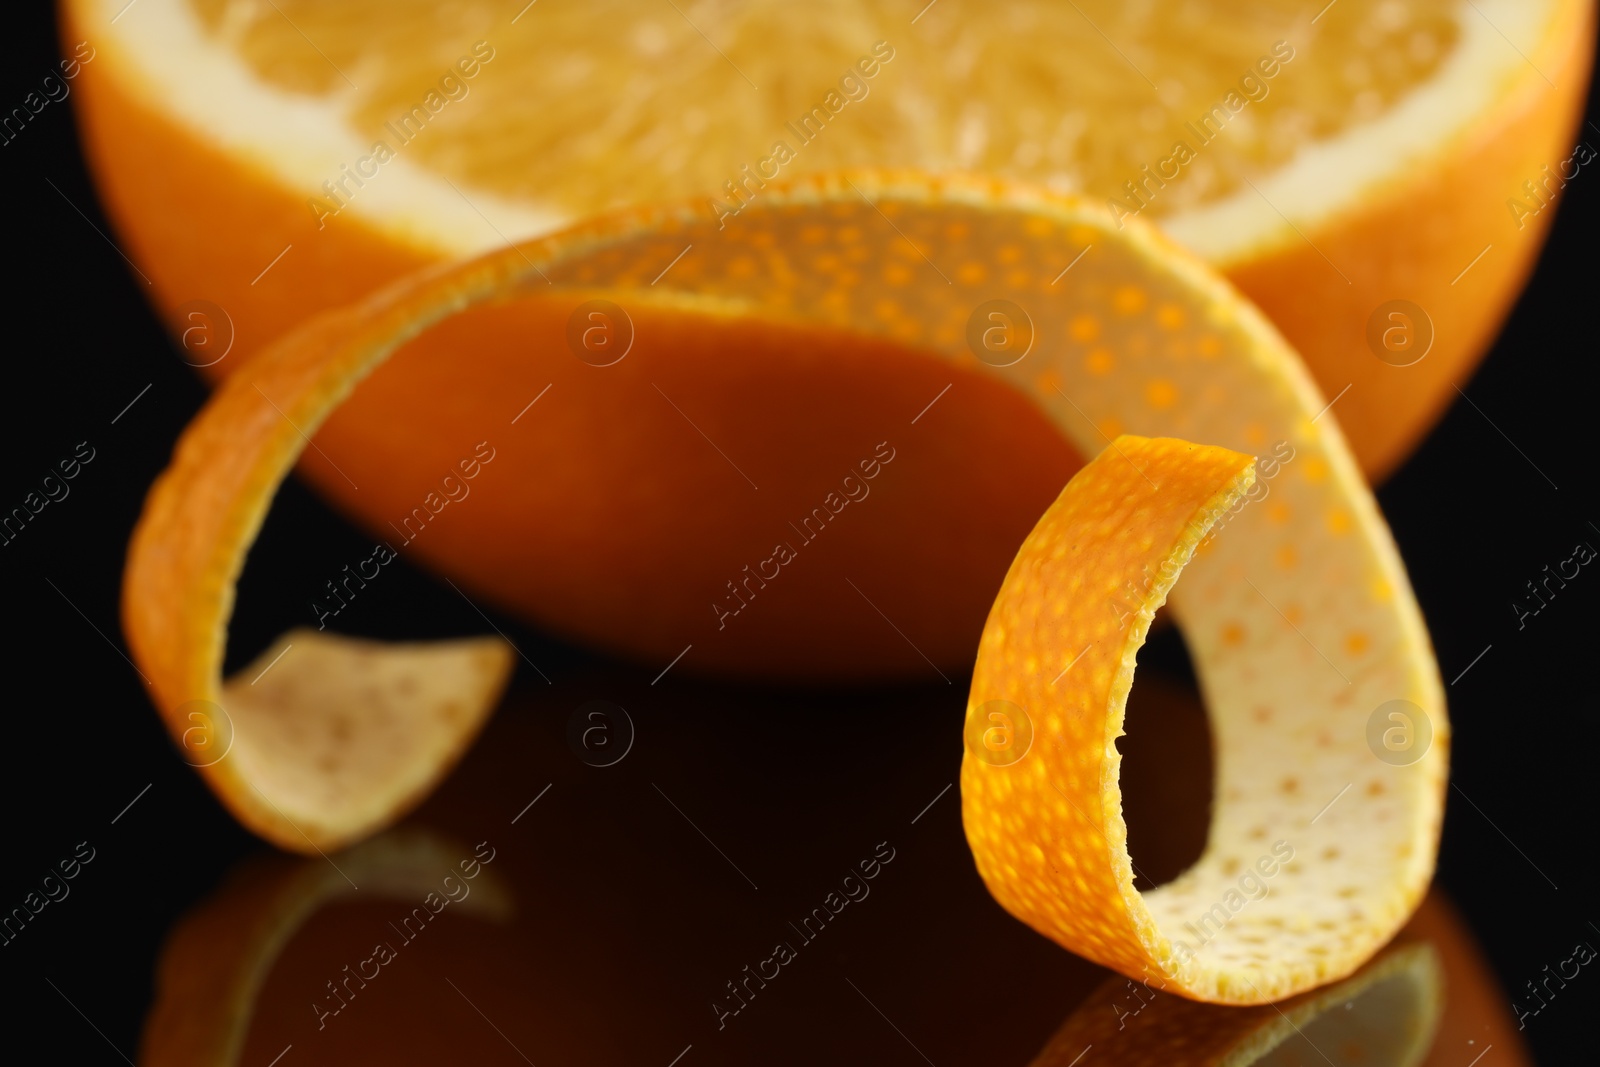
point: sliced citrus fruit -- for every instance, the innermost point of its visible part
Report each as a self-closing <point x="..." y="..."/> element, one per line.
<point x="1302" y="624"/>
<point x="215" y="961"/>
<point x="1343" y="160"/>
<point x="1387" y="1013"/>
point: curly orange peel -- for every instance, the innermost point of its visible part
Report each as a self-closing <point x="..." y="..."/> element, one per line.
<point x="1046" y="824"/>
<point x="323" y="739"/>
<point x="1298" y="612"/>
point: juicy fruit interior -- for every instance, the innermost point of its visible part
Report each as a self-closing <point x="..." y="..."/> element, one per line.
<point x="591" y="106"/>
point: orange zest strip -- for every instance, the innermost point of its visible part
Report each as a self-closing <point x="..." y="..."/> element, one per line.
<point x="1388" y="1013"/>
<point x="324" y="739"/>
<point x="1327" y="709"/>
<point x="1270" y="909"/>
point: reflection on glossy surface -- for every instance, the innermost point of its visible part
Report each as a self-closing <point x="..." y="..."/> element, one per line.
<point x="650" y="892"/>
<point x="216" y="960"/>
<point x="1426" y="1000"/>
<point x="1382" y="1016"/>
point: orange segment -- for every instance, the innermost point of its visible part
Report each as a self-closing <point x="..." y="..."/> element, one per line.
<point x="1385" y="1014"/>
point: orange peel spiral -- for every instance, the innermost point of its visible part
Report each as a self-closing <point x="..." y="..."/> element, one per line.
<point x="1298" y="612"/>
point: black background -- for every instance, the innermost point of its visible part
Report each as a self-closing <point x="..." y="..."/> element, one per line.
<point x="1473" y="517"/>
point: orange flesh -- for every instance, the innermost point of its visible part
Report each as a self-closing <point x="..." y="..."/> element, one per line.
<point x="658" y="112"/>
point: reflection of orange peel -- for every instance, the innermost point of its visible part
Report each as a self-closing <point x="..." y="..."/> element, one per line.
<point x="1385" y="1014"/>
<point x="214" y="963"/>
<point x="1299" y="616"/>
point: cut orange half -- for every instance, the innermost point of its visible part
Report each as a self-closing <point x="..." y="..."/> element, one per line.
<point x="264" y="162"/>
<point x="1303" y="625"/>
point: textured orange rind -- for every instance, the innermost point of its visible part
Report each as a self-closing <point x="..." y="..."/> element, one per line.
<point x="1298" y="612"/>
<point x="1273" y="907"/>
<point x="323" y="740"/>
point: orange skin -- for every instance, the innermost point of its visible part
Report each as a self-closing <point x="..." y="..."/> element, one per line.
<point x="204" y="225"/>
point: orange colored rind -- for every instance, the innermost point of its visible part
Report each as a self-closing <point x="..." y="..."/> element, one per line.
<point x="1278" y="903"/>
<point x="325" y="739"/>
<point x="1298" y="612"/>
